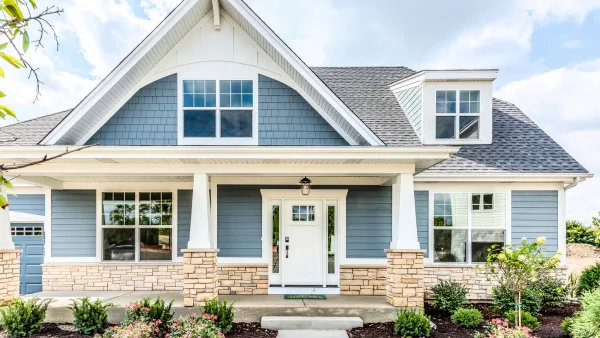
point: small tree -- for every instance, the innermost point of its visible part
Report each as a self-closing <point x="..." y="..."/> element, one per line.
<point x="519" y="267"/>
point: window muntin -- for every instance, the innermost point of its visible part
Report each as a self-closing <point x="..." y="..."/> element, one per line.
<point x="37" y="230"/>
<point x="303" y="213"/>
<point x="218" y="109"/>
<point x="457" y="120"/>
<point x="137" y="226"/>
<point x="466" y="225"/>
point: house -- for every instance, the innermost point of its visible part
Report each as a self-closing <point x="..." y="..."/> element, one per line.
<point x="226" y="165"/>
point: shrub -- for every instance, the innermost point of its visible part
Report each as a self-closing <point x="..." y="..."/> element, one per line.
<point x="499" y="328"/>
<point x="527" y="320"/>
<point x="579" y="233"/>
<point x="566" y="325"/>
<point x="449" y="296"/>
<point x="573" y="285"/>
<point x="141" y="328"/>
<point x="552" y="292"/>
<point x="412" y="324"/>
<point x="24" y="318"/>
<point x="196" y="326"/>
<point x="89" y="317"/>
<point x="468" y="318"/>
<point x="586" y="323"/>
<point x="589" y="280"/>
<point x="224" y="313"/>
<point x="159" y="311"/>
<point x="504" y="300"/>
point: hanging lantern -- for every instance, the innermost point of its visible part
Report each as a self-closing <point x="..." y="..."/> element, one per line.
<point x="305" y="186"/>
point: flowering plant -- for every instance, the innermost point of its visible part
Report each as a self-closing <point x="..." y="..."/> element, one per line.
<point x="194" y="326"/>
<point x="498" y="328"/>
<point x="137" y="329"/>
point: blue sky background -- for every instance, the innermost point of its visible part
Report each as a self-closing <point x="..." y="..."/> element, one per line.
<point x="548" y="53"/>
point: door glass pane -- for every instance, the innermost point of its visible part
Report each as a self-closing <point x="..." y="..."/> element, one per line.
<point x="119" y="244"/>
<point x="155" y="244"/>
<point x="275" y="239"/>
<point x="450" y="245"/>
<point x="331" y="239"/>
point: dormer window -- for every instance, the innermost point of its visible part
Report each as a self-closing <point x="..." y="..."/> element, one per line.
<point x="457" y="120"/>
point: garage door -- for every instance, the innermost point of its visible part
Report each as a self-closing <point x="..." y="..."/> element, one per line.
<point x="30" y="239"/>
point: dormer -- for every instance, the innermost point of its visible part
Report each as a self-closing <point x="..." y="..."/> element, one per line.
<point x="448" y="107"/>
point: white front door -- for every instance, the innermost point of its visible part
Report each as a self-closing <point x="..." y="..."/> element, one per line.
<point x="302" y="243"/>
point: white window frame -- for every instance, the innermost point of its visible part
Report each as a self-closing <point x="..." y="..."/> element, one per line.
<point x="457" y="115"/>
<point x="469" y="227"/>
<point x="136" y="227"/>
<point x="217" y="140"/>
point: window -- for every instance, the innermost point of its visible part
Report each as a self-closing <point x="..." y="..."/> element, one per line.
<point x="457" y="121"/>
<point x="331" y="239"/>
<point x="303" y="213"/>
<point x="137" y="226"/>
<point x="275" y="238"/>
<point x="466" y="225"/>
<point x="27" y="230"/>
<point x="218" y="110"/>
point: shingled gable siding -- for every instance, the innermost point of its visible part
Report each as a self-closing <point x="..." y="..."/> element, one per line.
<point x="535" y="214"/>
<point x="184" y="219"/>
<point x="73" y="223"/>
<point x="286" y="119"/>
<point x="422" y="210"/>
<point x="30" y="204"/>
<point x="410" y="101"/>
<point x="149" y="118"/>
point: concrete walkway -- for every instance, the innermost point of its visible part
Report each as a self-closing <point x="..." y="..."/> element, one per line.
<point x="248" y="308"/>
<point x="312" y="334"/>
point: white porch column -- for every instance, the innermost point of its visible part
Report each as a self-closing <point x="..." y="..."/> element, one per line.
<point x="404" y="218"/>
<point x="200" y="222"/>
<point x="6" y="242"/>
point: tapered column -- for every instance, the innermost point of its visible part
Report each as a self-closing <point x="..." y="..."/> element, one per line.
<point x="404" y="218"/>
<point x="200" y="221"/>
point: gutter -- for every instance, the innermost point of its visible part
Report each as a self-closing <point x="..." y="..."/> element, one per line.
<point x="572" y="185"/>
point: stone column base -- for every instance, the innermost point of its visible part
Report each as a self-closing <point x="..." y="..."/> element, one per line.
<point x="405" y="272"/>
<point x="10" y="270"/>
<point x="199" y="276"/>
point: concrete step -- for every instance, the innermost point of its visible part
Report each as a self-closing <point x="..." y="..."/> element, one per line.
<point x="312" y="334"/>
<point x="310" y="323"/>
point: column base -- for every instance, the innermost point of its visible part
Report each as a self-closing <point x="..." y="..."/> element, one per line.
<point x="405" y="274"/>
<point x="199" y="276"/>
<point x="10" y="269"/>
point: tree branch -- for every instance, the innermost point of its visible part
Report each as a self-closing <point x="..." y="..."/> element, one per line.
<point x="4" y="167"/>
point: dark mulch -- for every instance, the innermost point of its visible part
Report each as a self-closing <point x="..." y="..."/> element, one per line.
<point x="250" y="330"/>
<point x="55" y="330"/>
<point x="550" y="325"/>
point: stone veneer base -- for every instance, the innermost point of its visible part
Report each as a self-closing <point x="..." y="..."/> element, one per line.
<point x="360" y="280"/>
<point x="199" y="276"/>
<point x="10" y="268"/>
<point x="243" y="279"/>
<point x="405" y="271"/>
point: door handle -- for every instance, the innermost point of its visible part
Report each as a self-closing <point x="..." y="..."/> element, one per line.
<point x="287" y="249"/>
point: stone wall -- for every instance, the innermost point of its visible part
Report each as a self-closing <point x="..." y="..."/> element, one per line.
<point x="10" y="266"/>
<point x="243" y="279"/>
<point x="405" y="272"/>
<point x="112" y="277"/>
<point x="356" y="280"/>
<point x="199" y="276"/>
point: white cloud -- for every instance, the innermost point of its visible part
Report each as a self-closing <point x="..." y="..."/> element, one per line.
<point x="563" y="103"/>
<point x="572" y="44"/>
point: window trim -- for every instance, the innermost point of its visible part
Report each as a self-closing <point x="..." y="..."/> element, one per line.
<point x="457" y="115"/>
<point x="217" y="140"/>
<point x="469" y="228"/>
<point x="100" y="226"/>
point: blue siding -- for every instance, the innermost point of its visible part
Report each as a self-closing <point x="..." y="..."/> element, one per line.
<point x="184" y="219"/>
<point x="31" y="204"/>
<point x="422" y="210"/>
<point x="149" y="118"/>
<point x="368" y="221"/>
<point x="73" y="223"/>
<point x="239" y="221"/>
<point x="535" y="214"/>
<point x="286" y="119"/>
<point x="410" y="101"/>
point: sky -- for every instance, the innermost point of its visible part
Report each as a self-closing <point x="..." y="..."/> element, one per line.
<point x="548" y="53"/>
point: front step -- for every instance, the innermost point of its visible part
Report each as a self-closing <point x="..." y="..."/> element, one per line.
<point x="312" y="334"/>
<point x="310" y="323"/>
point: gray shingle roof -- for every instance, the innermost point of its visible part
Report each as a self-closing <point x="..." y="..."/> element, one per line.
<point x="30" y="132"/>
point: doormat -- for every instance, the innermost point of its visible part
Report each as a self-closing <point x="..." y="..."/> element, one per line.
<point x="297" y="296"/>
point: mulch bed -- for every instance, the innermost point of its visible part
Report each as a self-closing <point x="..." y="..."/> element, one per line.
<point x="550" y="325"/>
<point x="250" y="330"/>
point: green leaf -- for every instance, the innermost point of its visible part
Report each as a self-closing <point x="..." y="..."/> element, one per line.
<point x="3" y="201"/>
<point x="11" y="7"/>
<point x="33" y="4"/>
<point x="1" y="72"/>
<point x="7" y="110"/>
<point x="7" y="183"/>
<point x="12" y="60"/>
<point x="2" y="94"/>
<point x="4" y="45"/>
<point x="25" y="41"/>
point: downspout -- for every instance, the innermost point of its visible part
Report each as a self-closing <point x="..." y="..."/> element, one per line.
<point x="572" y="185"/>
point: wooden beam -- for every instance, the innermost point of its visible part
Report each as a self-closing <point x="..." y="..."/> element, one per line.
<point x="217" y="14"/>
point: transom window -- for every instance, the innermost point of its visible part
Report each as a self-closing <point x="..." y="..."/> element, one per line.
<point x="137" y="226"/>
<point x="37" y="230"/>
<point x="218" y="109"/>
<point x="303" y="213"/>
<point x="457" y="119"/>
<point x="466" y="225"/>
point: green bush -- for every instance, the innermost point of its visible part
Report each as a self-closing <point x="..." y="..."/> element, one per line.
<point x="159" y="311"/>
<point x="468" y="318"/>
<point x="195" y="326"/>
<point x="504" y="301"/>
<point x="23" y="318"/>
<point x="224" y="313"/>
<point x="449" y="296"/>
<point x="579" y="233"/>
<point x="141" y="328"/>
<point x="553" y="293"/>
<point x="412" y="324"/>
<point x="589" y="279"/>
<point x="90" y="317"/>
<point x="586" y="323"/>
<point x="566" y="325"/>
<point x="527" y="319"/>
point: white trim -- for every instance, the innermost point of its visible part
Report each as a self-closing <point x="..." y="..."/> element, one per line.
<point x="562" y="225"/>
<point x="501" y="177"/>
<point x="24" y="217"/>
<point x="303" y="290"/>
<point x="446" y="75"/>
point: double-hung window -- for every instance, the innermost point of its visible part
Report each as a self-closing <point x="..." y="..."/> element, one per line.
<point x="137" y="226"/>
<point x="222" y="109"/>
<point x="457" y="114"/>
<point x="466" y="225"/>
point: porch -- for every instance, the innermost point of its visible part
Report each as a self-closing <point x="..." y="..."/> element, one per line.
<point x="370" y="309"/>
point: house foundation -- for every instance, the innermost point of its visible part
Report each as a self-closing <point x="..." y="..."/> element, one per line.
<point x="358" y="280"/>
<point x="10" y="268"/>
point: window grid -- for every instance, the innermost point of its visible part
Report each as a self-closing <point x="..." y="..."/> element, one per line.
<point x="27" y="231"/>
<point x="458" y="110"/>
<point x="303" y="213"/>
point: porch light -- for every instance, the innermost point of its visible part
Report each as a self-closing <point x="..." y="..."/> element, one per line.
<point x="305" y="186"/>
